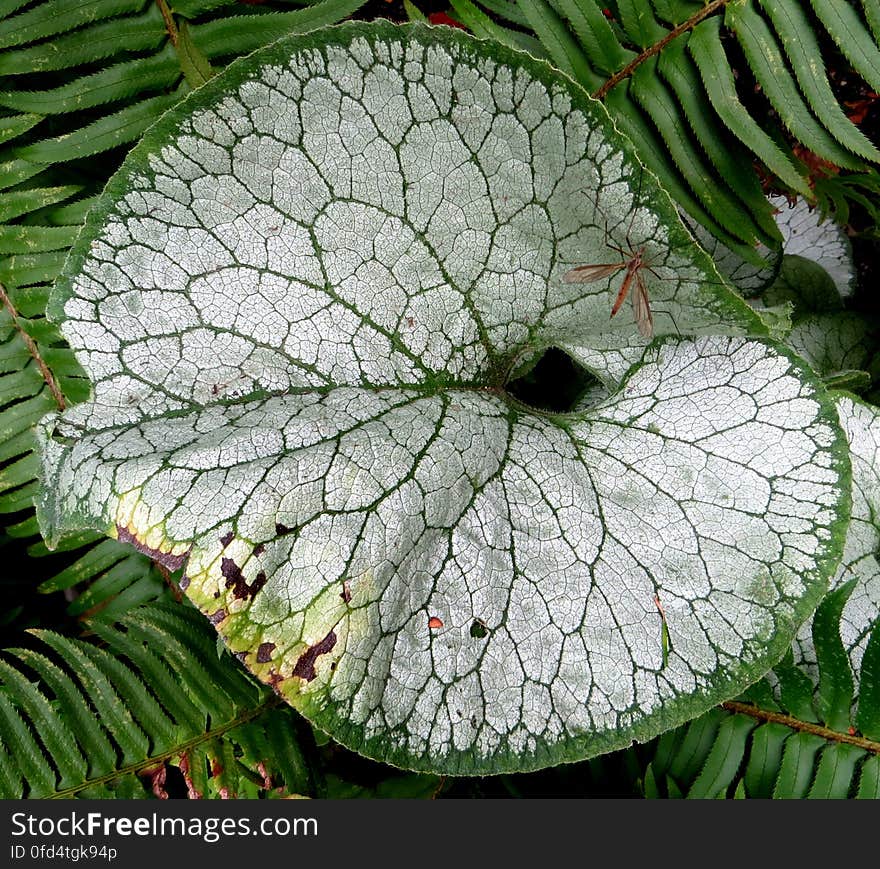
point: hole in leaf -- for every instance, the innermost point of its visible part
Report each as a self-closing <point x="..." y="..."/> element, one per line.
<point x="553" y="384"/>
<point x="479" y="629"/>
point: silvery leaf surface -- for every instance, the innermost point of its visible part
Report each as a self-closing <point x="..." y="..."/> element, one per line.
<point x="861" y="422"/>
<point x="299" y="303"/>
<point x="805" y="234"/>
<point x="748" y="276"/>
<point x="837" y="342"/>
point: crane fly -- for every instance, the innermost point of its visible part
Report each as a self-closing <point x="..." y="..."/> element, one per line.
<point x="633" y="285"/>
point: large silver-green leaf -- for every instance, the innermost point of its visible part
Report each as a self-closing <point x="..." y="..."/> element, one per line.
<point x="838" y="345"/>
<point x="861" y="556"/>
<point x="300" y="302"/>
<point x="805" y="233"/>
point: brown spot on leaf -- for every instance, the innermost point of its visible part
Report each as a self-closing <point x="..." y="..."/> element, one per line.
<point x="345" y="594"/>
<point x="434" y="623"/>
<point x="234" y="577"/>
<point x="258" y="583"/>
<point x="235" y="580"/>
<point x="281" y="530"/>
<point x="217" y="617"/>
<point x="259" y="549"/>
<point x="166" y="559"/>
<point x="184" y="582"/>
<point x="264" y="653"/>
<point x="305" y="666"/>
<point x="226" y="539"/>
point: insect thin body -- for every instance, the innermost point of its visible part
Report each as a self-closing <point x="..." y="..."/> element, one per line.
<point x="633" y="285"/>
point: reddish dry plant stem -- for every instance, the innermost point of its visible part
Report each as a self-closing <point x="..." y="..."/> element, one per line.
<point x="183" y="748"/>
<point x="804" y="726"/>
<point x="168" y="18"/>
<point x="32" y="348"/>
<point x="176" y="593"/>
<point x="657" y="47"/>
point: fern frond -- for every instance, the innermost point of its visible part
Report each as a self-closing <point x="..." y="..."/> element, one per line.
<point x="562" y="46"/>
<point x="594" y="31"/>
<point x="26" y="239"/>
<point x="778" y="84"/>
<point x="857" y="44"/>
<point x="19" y="202"/>
<point x="25" y="269"/>
<point x="58" y="16"/>
<point x="82" y="110"/>
<point x="704" y="96"/>
<point x="111" y="131"/>
<point x="238" y="34"/>
<point x="789" y="739"/>
<point x="15" y="125"/>
<point x="802" y="48"/>
<point x="118" y="82"/>
<point x="727" y="155"/>
<point x="14" y="170"/>
<point x="7" y="7"/>
<point x="668" y="118"/>
<point x="70" y="213"/>
<point x="506" y="10"/>
<point x="709" y="55"/>
<point x="483" y="26"/>
<point x="83" y="720"/>
<point x="89" y="45"/>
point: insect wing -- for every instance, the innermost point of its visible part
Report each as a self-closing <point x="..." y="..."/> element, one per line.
<point x="588" y="274"/>
<point x="642" y="308"/>
<point x="631" y="271"/>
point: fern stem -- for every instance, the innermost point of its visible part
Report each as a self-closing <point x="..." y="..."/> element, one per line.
<point x="32" y="348"/>
<point x="249" y="715"/>
<point x="804" y="726"/>
<point x="168" y="18"/>
<point x="657" y="47"/>
<point x="173" y="587"/>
